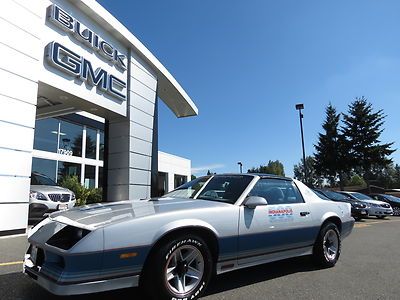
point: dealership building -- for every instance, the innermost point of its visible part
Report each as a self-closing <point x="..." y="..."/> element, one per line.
<point x="79" y="96"/>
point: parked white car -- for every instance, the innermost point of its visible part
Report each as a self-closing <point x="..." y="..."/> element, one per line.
<point x="46" y="196"/>
<point x="172" y="245"/>
<point x="376" y="208"/>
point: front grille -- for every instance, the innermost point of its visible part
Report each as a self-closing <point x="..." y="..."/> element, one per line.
<point x="385" y="205"/>
<point x="60" y="197"/>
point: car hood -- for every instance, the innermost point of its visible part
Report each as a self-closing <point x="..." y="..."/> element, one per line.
<point x="49" y="189"/>
<point x="374" y="201"/>
<point x="101" y="214"/>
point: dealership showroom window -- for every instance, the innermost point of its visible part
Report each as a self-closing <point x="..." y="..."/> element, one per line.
<point x="66" y="148"/>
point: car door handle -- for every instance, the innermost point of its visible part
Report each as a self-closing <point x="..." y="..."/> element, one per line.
<point x="304" y="213"/>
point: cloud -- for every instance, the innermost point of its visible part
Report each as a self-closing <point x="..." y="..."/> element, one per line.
<point x="203" y="169"/>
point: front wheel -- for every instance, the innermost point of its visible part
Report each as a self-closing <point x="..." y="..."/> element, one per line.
<point x="180" y="269"/>
<point x="380" y="217"/>
<point x="327" y="246"/>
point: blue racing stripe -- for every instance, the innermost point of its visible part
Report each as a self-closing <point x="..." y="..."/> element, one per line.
<point x="266" y="242"/>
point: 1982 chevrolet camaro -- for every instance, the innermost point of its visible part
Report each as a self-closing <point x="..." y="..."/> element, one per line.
<point x="173" y="245"/>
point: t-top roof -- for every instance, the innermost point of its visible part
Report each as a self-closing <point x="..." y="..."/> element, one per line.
<point x="168" y="89"/>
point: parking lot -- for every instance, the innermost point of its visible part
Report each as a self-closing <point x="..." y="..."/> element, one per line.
<point x="367" y="269"/>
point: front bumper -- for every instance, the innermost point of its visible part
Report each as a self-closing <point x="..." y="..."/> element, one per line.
<point x="66" y="289"/>
<point x="359" y="212"/>
<point x="380" y="211"/>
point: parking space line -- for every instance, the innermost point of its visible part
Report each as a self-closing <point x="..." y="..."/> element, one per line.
<point x="363" y="225"/>
<point x="11" y="263"/>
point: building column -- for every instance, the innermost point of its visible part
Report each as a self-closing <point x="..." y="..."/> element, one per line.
<point x="20" y="58"/>
<point x="130" y="139"/>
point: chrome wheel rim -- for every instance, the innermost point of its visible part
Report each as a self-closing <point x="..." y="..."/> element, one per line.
<point x="184" y="270"/>
<point x="331" y="245"/>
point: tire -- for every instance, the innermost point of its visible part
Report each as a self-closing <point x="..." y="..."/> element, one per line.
<point x="380" y="217"/>
<point x="328" y="246"/>
<point x="190" y="265"/>
<point x="357" y="218"/>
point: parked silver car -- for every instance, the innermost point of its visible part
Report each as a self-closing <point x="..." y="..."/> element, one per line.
<point x="46" y="196"/>
<point x="172" y="245"/>
<point x="376" y="208"/>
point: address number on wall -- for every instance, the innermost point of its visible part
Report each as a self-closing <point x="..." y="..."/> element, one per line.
<point x="65" y="152"/>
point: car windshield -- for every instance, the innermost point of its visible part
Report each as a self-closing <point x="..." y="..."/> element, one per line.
<point x="188" y="190"/>
<point x="392" y="198"/>
<point x="38" y="179"/>
<point x="336" y="196"/>
<point x="225" y="188"/>
<point x="319" y="194"/>
<point x="360" y="196"/>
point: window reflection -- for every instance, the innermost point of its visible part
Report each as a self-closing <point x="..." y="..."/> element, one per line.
<point x="101" y="177"/>
<point x="68" y="169"/>
<point x="71" y="137"/>
<point x="91" y="135"/>
<point x="46" y="135"/>
<point x="179" y="180"/>
<point x="89" y="181"/>
<point x="101" y="150"/>
<point x="44" y="166"/>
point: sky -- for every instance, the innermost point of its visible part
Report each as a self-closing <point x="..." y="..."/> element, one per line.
<point x="246" y="64"/>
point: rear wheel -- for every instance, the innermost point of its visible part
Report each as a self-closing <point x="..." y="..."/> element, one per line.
<point x="327" y="246"/>
<point x="180" y="269"/>
<point x="380" y="217"/>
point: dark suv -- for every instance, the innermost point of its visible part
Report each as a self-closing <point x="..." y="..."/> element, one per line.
<point x="358" y="209"/>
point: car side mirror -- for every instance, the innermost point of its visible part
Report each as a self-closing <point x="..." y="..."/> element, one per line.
<point x="253" y="201"/>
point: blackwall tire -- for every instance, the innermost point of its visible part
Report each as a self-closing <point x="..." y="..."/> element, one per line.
<point x="328" y="246"/>
<point x="180" y="269"/>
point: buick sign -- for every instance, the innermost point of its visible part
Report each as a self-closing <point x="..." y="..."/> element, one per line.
<point x="67" y="23"/>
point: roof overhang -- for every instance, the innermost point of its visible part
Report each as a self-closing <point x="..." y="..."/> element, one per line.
<point x="168" y="89"/>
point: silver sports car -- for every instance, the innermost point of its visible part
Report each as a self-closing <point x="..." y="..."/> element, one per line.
<point x="171" y="246"/>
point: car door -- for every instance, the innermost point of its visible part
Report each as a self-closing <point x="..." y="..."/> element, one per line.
<point x="284" y="224"/>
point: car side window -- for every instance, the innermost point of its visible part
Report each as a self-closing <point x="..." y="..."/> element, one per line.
<point x="277" y="191"/>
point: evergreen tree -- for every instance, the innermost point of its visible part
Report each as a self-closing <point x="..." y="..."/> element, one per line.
<point x="396" y="183"/>
<point x="313" y="179"/>
<point x="362" y="130"/>
<point x="273" y="167"/>
<point x="330" y="157"/>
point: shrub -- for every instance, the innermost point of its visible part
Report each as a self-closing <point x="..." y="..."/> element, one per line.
<point x="83" y="195"/>
<point x="95" y="196"/>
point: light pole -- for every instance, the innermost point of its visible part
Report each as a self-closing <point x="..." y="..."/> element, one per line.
<point x="240" y="166"/>
<point x="299" y="107"/>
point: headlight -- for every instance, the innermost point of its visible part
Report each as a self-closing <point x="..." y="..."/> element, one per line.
<point x="37" y="195"/>
<point x="73" y="196"/>
<point x="67" y="237"/>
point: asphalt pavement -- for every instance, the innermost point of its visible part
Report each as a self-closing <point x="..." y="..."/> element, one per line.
<point x="368" y="268"/>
